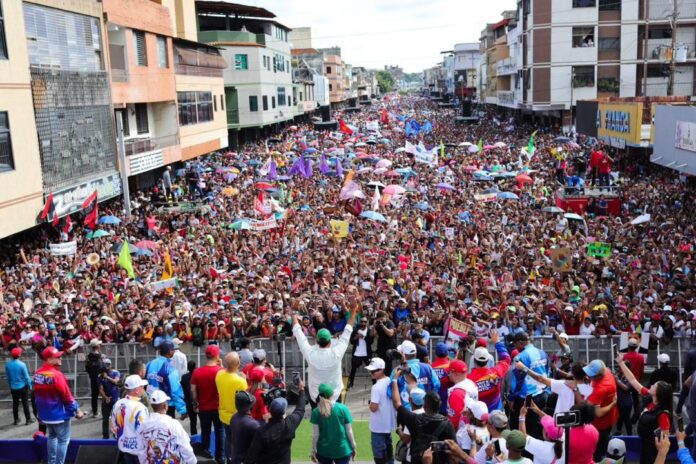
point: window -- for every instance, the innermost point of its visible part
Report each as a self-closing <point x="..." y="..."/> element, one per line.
<point x="330" y="87"/>
<point x="140" y="48"/>
<point x="273" y="102"/>
<point x="281" y="96"/>
<point x="3" y="46"/>
<point x="222" y="102"/>
<point x="241" y="62"/>
<point x="660" y="32"/>
<point x="265" y="102"/>
<point x="6" y="159"/>
<point x="141" y="122"/>
<point x="162" y="55"/>
<point x="253" y="103"/>
<point x="583" y="76"/>
<point x="287" y="66"/>
<point x="204" y="106"/>
<point x="583" y="37"/>
<point x="187" y="108"/>
<point x="123" y="115"/>
<point x="214" y="104"/>
<point x="609" y="5"/>
<point x="609" y="43"/>
<point x="584" y="3"/>
<point x="328" y="70"/>
<point x="275" y="66"/>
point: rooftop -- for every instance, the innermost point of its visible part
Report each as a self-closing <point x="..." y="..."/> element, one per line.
<point x="304" y="51"/>
<point x="237" y="9"/>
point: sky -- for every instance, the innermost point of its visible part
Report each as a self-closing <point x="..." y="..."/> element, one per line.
<point x="375" y="33"/>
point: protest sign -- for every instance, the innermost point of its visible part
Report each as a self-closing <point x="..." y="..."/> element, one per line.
<point x="266" y="224"/>
<point x="163" y="284"/>
<point x="426" y="157"/>
<point x="63" y="249"/>
<point x="339" y="229"/>
<point x="643" y="347"/>
<point x="599" y="250"/>
<point x="485" y="197"/>
<point x="458" y="330"/>
<point x="561" y="260"/>
<point x="449" y="233"/>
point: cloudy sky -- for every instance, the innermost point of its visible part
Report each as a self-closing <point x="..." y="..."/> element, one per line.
<point x="373" y="33"/>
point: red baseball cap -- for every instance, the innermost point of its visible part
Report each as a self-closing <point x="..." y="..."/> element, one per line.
<point x="16" y="352"/>
<point x="212" y="350"/>
<point x="458" y="367"/>
<point x="256" y="375"/>
<point x="482" y="342"/>
<point x="51" y="352"/>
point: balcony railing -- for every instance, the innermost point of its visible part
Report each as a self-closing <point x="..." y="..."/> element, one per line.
<point x="232" y="116"/>
<point x="189" y="70"/>
<point x="139" y="145"/>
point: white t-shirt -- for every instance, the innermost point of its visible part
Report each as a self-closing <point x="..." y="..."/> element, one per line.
<point x="384" y="419"/>
<point x="566" y="397"/>
<point x="361" y="349"/>
<point x="587" y="330"/>
<point x="481" y="453"/>
<point x="542" y="451"/>
<point x="518" y="461"/>
<point x="463" y="439"/>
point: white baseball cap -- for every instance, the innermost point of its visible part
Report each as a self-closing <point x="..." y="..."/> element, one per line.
<point x="407" y="347"/>
<point x="632" y="342"/>
<point x="134" y="381"/>
<point x="663" y="358"/>
<point x="481" y="354"/>
<point x="477" y="408"/>
<point x="563" y="335"/>
<point x="616" y="448"/>
<point x="376" y="364"/>
<point x="159" y="397"/>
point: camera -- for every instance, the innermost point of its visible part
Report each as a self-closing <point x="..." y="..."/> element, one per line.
<point x="274" y="393"/>
<point x="566" y="419"/>
<point x="394" y="354"/>
<point x="296" y="378"/>
<point x="439" y="446"/>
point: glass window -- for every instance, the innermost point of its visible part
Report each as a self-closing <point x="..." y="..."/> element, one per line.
<point x="265" y="102"/>
<point x="253" y="103"/>
<point x="273" y="102"/>
<point x="205" y="106"/>
<point x="583" y="37"/>
<point x="584" y="3"/>
<point x="3" y="46"/>
<point x="162" y="55"/>
<point x="6" y="158"/>
<point x="660" y="32"/>
<point x="328" y="70"/>
<point x="214" y="104"/>
<point x="583" y="76"/>
<point x="222" y="102"/>
<point x="140" y="48"/>
<point x="609" y="43"/>
<point x="141" y="122"/>
<point x="123" y="115"/>
<point x="187" y="108"/>
<point x="241" y="61"/>
<point x="330" y="87"/>
<point x="609" y="5"/>
<point x="281" y="96"/>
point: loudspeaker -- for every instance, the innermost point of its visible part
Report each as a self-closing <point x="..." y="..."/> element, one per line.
<point x="87" y="454"/>
<point x="325" y="113"/>
<point x="466" y="108"/>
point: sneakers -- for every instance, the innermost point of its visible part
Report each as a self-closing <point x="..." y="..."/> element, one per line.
<point x="16" y="422"/>
<point x="30" y="421"/>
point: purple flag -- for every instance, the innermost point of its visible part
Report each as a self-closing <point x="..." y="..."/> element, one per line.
<point x="297" y="167"/>
<point x="272" y="174"/>
<point x="339" y="168"/>
<point x="324" y="165"/>
<point x="308" y="168"/>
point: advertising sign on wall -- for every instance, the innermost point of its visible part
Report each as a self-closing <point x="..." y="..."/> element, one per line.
<point x="685" y="135"/>
<point x="619" y="124"/>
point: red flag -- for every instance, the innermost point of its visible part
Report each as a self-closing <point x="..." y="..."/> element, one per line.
<point x="344" y="127"/>
<point x="67" y="227"/>
<point x="90" y="207"/>
<point x="385" y="116"/>
<point x="49" y="211"/>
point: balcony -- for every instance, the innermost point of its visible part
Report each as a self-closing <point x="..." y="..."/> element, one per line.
<point x="232" y="116"/>
<point x="506" y="67"/>
<point x="507" y="98"/>
<point x="137" y="145"/>
<point x="660" y="9"/>
<point x="231" y="36"/>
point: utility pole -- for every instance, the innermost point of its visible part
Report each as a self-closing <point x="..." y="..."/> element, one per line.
<point x="673" y="25"/>
<point x="124" y="166"/>
<point x="646" y="36"/>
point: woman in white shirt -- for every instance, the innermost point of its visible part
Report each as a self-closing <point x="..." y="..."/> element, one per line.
<point x="550" y="449"/>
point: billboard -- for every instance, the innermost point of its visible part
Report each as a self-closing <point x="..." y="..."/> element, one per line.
<point x="619" y="124"/>
<point x="675" y="138"/>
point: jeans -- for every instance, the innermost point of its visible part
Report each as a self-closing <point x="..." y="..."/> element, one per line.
<point x="106" y="416"/>
<point x="20" y="395"/>
<point x="94" y="390"/>
<point x="228" y="440"/>
<point x="355" y="363"/>
<point x="382" y="448"/>
<point x="210" y="420"/>
<point x="624" y="418"/>
<point x="58" y="439"/>
<point x="602" y="443"/>
<point x="323" y="460"/>
<point x="193" y="418"/>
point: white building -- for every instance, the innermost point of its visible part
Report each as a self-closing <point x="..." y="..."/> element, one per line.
<point x="467" y="57"/>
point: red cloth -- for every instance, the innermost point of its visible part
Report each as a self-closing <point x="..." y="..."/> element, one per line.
<point x="595" y="158"/>
<point x="604" y="165"/>
<point x="636" y="362"/>
<point x="204" y="380"/>
<point x="344" y="127"/>
<point x="603" y="392"/>
<point x="583" y="441"/>
<point x="260" y="408"/>
<point x="455" y="406"/>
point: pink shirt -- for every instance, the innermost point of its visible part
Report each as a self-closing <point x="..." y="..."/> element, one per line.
<point x="583" y="441"/>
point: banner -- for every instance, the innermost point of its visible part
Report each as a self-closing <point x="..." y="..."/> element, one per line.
<point x="63" y="249"/>
<point x="485" y="197"/>
<point x="410" y="148"/>
<point x="599" y="250"/>
<point x="426" y="157"/>
<point x="561" y="259"/>
<point x="685" y="136"/>
<point x="339" y="229"/>
<point x="449" y="233"/>
<point x="266" y="224"/>
<point x="372" y="126"/>
<point x="458" y="330"/>
<point x="163" y="284"/>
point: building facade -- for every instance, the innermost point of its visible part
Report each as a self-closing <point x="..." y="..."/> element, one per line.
<point x="466" y="63"/>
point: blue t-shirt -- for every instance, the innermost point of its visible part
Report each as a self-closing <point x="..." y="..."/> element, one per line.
<point x="110" y="388"/>
<point x="537" y="361"/>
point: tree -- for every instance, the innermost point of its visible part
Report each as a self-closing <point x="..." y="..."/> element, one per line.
<point x="386" y="81"/>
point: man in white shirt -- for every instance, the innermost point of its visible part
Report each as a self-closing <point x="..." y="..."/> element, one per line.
<point x="325" y="358"/>
<point x="496" y="425"/>
<point x="161" y="438"/>
<point x="126" y="417"/>
<point x="570" y="392"/>
<point x="587" y="327"/>
<point x="382" y="414"/>
<point x="361" y="350"/>
<point x="179" y="360"/>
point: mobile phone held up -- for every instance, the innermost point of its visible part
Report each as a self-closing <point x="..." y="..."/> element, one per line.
<point x="296" y="378"/>
<point x="496" y="445"/>
<point x="680" y="423"/>
<point x="438" y="446"/>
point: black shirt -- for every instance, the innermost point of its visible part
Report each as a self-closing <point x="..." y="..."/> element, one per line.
<point x="666" y="374"/>
<point x="384" y="341"/>
<point x="272" y="441"/>
<point x="428" y="424"/>
<point x="243" y="428"/>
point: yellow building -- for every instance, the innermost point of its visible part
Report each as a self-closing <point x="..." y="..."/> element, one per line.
<point x="21" y="188"/>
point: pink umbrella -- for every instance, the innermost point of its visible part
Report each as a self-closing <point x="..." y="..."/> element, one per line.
<point x="147" y="244"/>
<point x="394" y="189"/>
<point x="364" y="170"/>
<point x="470" y="169"/>
<point x="381" y="170"/>
<point x="488" y="147"/>
<point x="392" y="174"/>
<point x="383" y="163"/>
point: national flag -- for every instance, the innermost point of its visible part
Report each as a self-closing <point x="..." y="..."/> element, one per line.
<point x="344" y="127"/>
<point x="125" y="260"/>
<point x="530" y="145"/>
<point x="427" y="127"/>
<point x="324" y="164"/>
<point x="49" y="211"/>
<point x="168" y="271"/>
<point x="385" y="116"/>
<point x="90" y="207"/>
<point x="480" y="146"/>
<point x="67" y="227"/>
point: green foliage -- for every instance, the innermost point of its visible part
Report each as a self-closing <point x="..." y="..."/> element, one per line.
<point x="386" y="81"/>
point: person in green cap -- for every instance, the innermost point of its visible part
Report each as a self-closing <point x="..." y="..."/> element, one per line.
<point x="325" y="358"/>
<point x="515" y="442"/>
<point x="332" y="434"/>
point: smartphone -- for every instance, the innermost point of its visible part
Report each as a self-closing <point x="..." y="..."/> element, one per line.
<point x="496" y="445"/>
<point x="437" y="446"/>
<point x="680" y="423"/>
<point x="658" y="433"/>
<point x="528" y="401"/>
<point x="296" y="378"/>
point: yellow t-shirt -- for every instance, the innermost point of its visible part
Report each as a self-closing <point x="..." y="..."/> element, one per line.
<point x="227" y="386"/>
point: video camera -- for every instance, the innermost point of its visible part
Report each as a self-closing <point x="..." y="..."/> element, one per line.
<point x="394" y="355"/>
<point x="274" y="393"/>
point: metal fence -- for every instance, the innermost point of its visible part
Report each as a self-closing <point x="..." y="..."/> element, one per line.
<point x="285" y="355"/>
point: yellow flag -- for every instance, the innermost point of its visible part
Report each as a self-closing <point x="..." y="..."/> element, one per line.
<point x="168" y="271"/>
<point x="339" y="229"/>
<point x="125" y="260"/>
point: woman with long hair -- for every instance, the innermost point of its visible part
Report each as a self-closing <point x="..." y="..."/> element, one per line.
<point x="550" y="449"/>
<point x="332" y="433"/>
<point x="656" y="413"/>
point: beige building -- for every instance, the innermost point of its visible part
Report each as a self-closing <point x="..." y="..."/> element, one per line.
<point x="21" y="188"/>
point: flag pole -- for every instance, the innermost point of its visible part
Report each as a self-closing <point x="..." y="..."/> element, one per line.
<point x="122" y="162"/>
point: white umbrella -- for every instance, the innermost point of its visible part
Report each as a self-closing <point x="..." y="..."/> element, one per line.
<point x="500" y="144"/>
<point x="381" y="170"/>
<point x="473" y="149"/>
<point x="465" y="144"/>
<point x="642" y="219"/>
<point x="383" y="163"/>
<point x="358" y="194"/>
<point x="574" y="216"/>
<point x="364" y="170"/>
<point x="375" y="183"/>
<point x="400" y="149"/>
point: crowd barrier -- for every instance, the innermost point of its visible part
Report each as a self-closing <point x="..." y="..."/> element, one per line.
<point x="285" y="355"/>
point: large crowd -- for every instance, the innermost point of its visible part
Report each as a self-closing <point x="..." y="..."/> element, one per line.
<point x="372" y="238"/>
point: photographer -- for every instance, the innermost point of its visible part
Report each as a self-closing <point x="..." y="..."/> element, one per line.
<point x="383" y="329"/>
<point x="109" y="380"/>
<point x="424" y="375"/>
<point x="362" y="350"/>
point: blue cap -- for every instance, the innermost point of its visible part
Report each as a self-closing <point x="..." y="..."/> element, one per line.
<point x="417" y="396"/>
<point x="51" y="326"/>
<point x="166" y="347"/>
<point x="278" y="406"/>
<point x="594" y="368"/>
<point x="441" y="350"/>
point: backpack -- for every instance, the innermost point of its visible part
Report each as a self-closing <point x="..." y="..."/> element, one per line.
<point x="421" y="439"/>
<point x="197" y="335"/>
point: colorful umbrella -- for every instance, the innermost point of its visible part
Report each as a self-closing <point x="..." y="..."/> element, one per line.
<point x="445" y="186"/>
<point x="149" y="244"/>
<point x="109" y="220"/>
<point x="508" y="196"/>
<point x="98" y="234"/>
<point x="394" y="189"/>
<point x="264" y="186"/>
<point x="374" y="216"/>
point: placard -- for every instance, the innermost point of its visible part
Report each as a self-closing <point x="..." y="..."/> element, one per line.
<point x="426" y="157"/>
<point x="163" y="284"/>
<point x="449" y="233"/>
<point x="457" y="331"/>
<point x="643" y="348"/>
<point x="561" y="259"/>
<point x="485" y="197"/>
<point x="63" y="249"/>
<point x="339" y="229"/>
<point x="266" y="224"/>
<point x="599" y="250"/>
<point x="685" y="135"/>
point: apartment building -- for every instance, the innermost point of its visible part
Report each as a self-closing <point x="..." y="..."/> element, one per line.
<point x="258" y="81"/>
<point x="21" y="186"/>
<point x="466" y="63"/>
<point x="334" y="71"/>
<point x="365" y="83"/>
<point x="143" y="86"/>
<point x="499" y="72"/>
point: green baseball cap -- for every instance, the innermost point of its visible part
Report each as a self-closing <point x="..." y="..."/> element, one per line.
<point x="324" y="335"/>
<point x="326" y="390"/>
<point x="515" y="440"/>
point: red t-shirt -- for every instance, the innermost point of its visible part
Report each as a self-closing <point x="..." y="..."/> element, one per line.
<point x="260" y="408"/>
<point x="455" y="406"/>
<point x="204" y="380"/>
<point x="636" y="362"/>
<point x="663" y="419"/>
<point x="603" y="392"/>
<point x="595" y="158"/>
